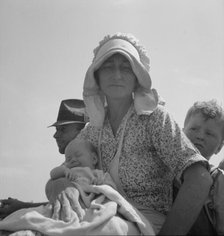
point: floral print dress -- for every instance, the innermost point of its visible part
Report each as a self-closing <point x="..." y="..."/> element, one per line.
<point x="154" y="153"/>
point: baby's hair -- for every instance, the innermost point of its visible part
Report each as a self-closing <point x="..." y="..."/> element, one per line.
<point x="87" y="143"/>
<point x="209" y="109"/>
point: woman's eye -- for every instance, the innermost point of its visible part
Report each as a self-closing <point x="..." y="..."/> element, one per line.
<point x="106" y="66"/>
<point x="126" y="68"/>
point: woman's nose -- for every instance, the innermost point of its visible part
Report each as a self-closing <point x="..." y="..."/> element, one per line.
<point x="117" y="74"/>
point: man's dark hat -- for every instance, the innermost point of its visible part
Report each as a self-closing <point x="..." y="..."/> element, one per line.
<point x="71" y="111"/>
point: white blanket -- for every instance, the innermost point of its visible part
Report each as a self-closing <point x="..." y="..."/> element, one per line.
<point x="109" y="214"/>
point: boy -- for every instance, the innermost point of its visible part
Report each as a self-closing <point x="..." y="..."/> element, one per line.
<point x="204" y="126"/>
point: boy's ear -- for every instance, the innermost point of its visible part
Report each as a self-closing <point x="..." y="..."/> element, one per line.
<point x="220" y="147"/>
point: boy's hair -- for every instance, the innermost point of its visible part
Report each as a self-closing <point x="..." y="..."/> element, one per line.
<point x="209" y="109"/>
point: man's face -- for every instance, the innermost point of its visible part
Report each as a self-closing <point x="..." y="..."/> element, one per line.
<point x="205" y="134"/>
<point x="64" y="134"/>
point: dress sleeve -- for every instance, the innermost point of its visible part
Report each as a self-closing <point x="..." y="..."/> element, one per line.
<point x="171" y="144"/>
<point x="109" y="181"/>
<point x="90" y="133"/>
<point x="103" y="178"/>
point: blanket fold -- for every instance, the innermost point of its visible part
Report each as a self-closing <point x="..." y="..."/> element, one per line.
<point x="109" y="214"/>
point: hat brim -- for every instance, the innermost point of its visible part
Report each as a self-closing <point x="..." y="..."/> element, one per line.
<point x="99" y="61"/>
<point x="59" y="123"/>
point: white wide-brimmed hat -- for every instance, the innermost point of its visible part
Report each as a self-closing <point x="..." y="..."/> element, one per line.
<point x="145" y="98"/>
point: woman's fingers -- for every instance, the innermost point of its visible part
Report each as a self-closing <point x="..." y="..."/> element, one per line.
<point x="65" y="208"/>
<point x="73" y="196"/>
<point x="56" y="210"/>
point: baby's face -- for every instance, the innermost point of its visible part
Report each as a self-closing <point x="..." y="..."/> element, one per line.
<point x="78" y="155"/>
<point x="206" y="135"/>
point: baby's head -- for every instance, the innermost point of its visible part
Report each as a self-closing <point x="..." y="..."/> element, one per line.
<point x="80" y="153"/>
<point x="204" y="126"/>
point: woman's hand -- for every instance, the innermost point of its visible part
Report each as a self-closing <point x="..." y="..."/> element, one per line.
<point x="65" y="200"/>
<point x="66" y="206"/>
<point x="106" y="190"/>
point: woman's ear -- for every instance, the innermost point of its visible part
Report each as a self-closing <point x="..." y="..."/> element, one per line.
<point x="95" y="158"/>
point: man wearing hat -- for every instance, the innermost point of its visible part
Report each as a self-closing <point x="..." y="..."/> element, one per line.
<point x="71" y="119"/>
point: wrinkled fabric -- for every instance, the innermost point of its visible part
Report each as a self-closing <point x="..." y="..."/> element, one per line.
<point x="155" y="152"/>
<point x="102" y="218"/>
<point x="21" y="233"/>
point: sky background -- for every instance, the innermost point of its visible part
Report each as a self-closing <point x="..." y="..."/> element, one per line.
<point x="46" y="47"/>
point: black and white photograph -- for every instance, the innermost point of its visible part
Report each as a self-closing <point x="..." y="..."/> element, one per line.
<point x="112" y="117"/>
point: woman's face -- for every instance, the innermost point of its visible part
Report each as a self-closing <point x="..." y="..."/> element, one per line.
<point x="116" y="78"/>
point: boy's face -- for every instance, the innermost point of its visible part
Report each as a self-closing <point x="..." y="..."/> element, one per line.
<point x="205" y="134"/>
<point x="79" y="155"/>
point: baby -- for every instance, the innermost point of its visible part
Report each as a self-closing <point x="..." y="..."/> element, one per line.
<point x="80" y="168"/>
<point x="78" y="154"/>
